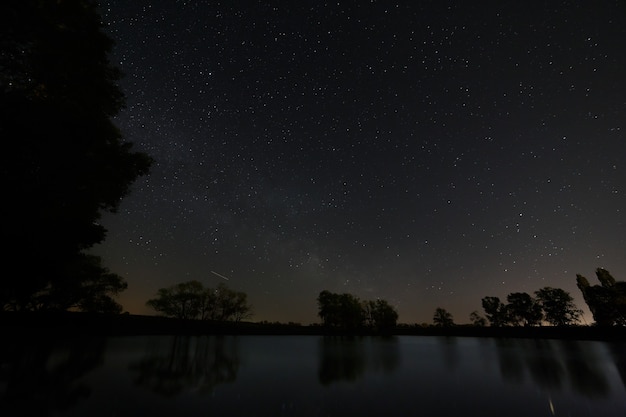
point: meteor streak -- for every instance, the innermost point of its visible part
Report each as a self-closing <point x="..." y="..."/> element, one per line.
<point x="220" y="275"/>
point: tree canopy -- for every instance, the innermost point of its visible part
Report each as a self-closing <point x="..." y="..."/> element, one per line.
<point x="495" y="310"/>
<point x="606" y="301"/>
<point x="379" y="315"/>
<point x="443" y="318"/>
<point x="553" y="305"/>
<point x="477" y="320"/>
<point x="191" y="300"/>
<point x="345" y="312"/>
<point x="64" y="162"/>
<point x="523" y="310"/>
<point x="558" y="306"/>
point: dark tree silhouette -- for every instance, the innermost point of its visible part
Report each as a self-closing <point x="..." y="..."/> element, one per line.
<point x="379" y="315"/>
<point x="477" y="320"/>
<point x="230" y="305"/>
<point x="442" y="318"/>
<point x="558" y="306"/>
<point x="607" y="301"/>
<point x="181" y="301"/>
<point x="190" y="300"/>
<point x="86" y="286"/>
<point x="340" y="311"/>
<point x="63" y="161"/>
<point x="523" y="310"/>
<point x="495" y="311"/>
<point x="224" y="304"/>
<point x="328" y="308"/>
<point x="345" y="312"/>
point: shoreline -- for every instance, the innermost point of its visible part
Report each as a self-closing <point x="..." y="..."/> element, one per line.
<point x="76" y="324"/>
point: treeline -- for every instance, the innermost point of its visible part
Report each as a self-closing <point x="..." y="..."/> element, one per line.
<point x="347" y="313"/>
<point x="191" y="300"/>
<point x="555" y="306"/>
<point x="552" y="305"/>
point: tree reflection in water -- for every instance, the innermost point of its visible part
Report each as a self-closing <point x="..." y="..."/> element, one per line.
<point x="348" y="358"/>
<point x="543" y="364"/>
<point x="584" y="368"/>
<point x="552" y="364"/>
<point x="197" y="363"/>
<point x="618" y="353"/>
<point x="512" y="367"/>
<point x="39" y="376"/>
<point x="449" y="349"/>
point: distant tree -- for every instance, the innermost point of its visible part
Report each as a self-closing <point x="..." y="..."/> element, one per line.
<point x="63" y="161"/>
<point x="607" y="302"/>
<point x="230" y="305"/>
<point x="208" y="309"/>
<point x="442" y="318"/>
<point x="523" y="310"/>
<point x="190" y="300"/>
<point x="340" y="311"/>
<point x="368" y="308"/>
<point x="477" y="320"/>
<point x="558" y="306"/>
<point x="329" y="308"/>
<point x="181" y="301"/>
<point x="379" y="315"/>
<point x="495" y="311"/>
<point x="351" y="312"/>
<point x="346" y="312"/>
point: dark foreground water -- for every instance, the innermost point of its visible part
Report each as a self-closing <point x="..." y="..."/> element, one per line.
<point x="311" y="376"/>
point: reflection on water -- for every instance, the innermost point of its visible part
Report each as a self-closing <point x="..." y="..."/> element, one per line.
<point x="449" y="350"/>
<point x="196" y="363"/>
<point x="348" y="358"/>
<point x="311" y="376"/>
<point x="553" y="364"/>
<point x="583" y="367"/>
<point x="618" y="354"/>
<point x="38" y="376"/>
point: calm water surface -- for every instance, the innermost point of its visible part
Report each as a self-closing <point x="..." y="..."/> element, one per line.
<point x="311" y="376"/>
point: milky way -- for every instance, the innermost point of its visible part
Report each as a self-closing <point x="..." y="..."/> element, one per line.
<point x="427" y="153"/>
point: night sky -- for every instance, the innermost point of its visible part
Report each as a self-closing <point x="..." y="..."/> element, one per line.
<point x="426" y="153"/>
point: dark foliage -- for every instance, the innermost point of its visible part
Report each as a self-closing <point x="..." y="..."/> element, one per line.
<point x="63" y="161"/>
<point x="477" y="320"/>
<point x="558" y="306"/>
<point x="346" y="313"/>
<point x="443" y="318"/>
<point x="379" y="315"/>
<point x="190" y="300"/>
<point x="553" y="305"/>
<point x="495" y="311"/>
<point x="523" y="310"/>
<point x="606" y="301"/>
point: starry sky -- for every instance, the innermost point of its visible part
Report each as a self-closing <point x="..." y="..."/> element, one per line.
<point x="429" y="153"/>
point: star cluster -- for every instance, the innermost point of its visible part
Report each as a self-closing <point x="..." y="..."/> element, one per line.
<point x="427" y="153"/>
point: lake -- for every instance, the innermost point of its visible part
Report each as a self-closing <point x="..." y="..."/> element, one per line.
<point x="311" y="376"/>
